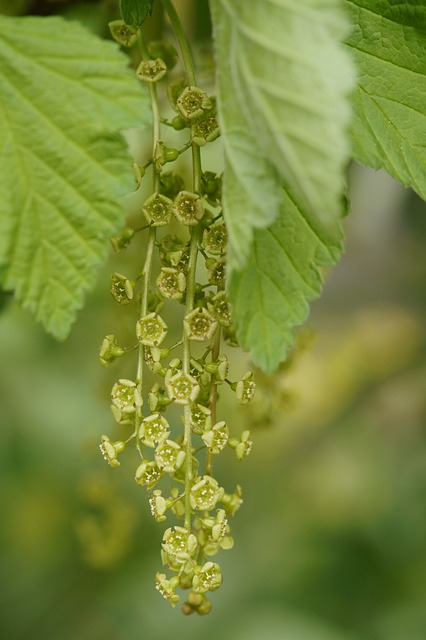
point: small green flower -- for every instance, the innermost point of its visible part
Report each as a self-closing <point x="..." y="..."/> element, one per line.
<point x="167" y="588"/>
<point x="175" y="89"/>
<point x="126" y="399"/>
<point x="169" y="456"/>
<point x="174" y="252"/>
<point x="179" y="544"/>
<point x="158" y="505"/>
<point x="211" y="185"/>
<point x="171" y="283"/>
<point x="153" y="430"/>
<point x="204" y="131"/>
<point x="205" y="493"/>
<point x="151" y="330"/>
<point x="215" y="238"/>
<point x="121" y="288"/>
<point x="181" y="387"/>
<point x="192" y="103"/>
<point x="110" y="450"/>
<point x="152" y="362"/>
<point x="148" y="474"/>
<point x="188" y="208"/>
<point x="109" y="350"/>
<point x="123" y="33"/>
<point x="245" y="388"/>
<point x="219" y="368"/>
<point x="220" y="309"/>
<point x="216" y="272"/>
<point x="232" y="501"/>
<point x="243" y="446"/>
<point x="151" y="70"/>
<point x="200" y="418"/>
<point x="200" y="325"/>
<point x="157" y="398"/>
<point x="158" y="210"/>
<point x="217" y="437"/>
<point x="207" y="578"/>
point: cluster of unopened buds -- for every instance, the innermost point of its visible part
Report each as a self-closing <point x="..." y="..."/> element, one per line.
<point x="189" y="373"/>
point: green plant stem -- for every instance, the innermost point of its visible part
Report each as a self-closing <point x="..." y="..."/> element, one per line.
<point x="213" y="399"/>
<point x="146" y="272"/>
<point x="192" y="265"/>
<point x="185" y="51"/>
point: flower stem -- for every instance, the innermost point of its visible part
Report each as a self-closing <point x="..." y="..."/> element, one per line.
<point x="188" y="63"/>
<point x="147" y="268"/>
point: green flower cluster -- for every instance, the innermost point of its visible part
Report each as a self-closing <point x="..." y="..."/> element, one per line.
<point x="189" y="372"/>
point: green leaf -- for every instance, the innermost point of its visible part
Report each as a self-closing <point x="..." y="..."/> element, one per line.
<point x="270" y="296"/>
<point x="64" y="94"/>
<point x="283" y="77"/>
<point x="135" y="12"/>
<point x="388" y="130"/>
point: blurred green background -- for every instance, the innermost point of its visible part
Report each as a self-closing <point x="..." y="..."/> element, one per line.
<point x="331" y="539"/>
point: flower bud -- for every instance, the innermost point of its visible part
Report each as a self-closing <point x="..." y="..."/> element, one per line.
<point x="211" y="187"/>
<point x="121" y="242"/>
<point x="171" y="183"/>
<point x="163" y="50"/>
<point x="164" y="154"/>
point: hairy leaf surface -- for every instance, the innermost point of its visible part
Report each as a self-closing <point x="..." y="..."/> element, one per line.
<point x="389" y="126"/>
<point x="64" y="95"/>
<point x="135" y="12"/>
<point x="270" y="295"/>
<point x="283" y="77"/>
